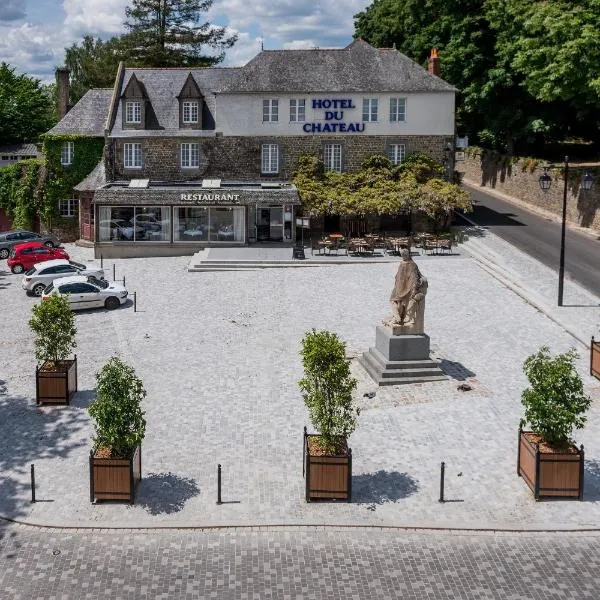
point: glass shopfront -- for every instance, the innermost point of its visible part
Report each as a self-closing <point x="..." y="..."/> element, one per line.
<point x="208" y="224"/>
<point x="134" y="224"/>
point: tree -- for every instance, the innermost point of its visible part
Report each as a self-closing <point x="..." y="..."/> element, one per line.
<point x="168" y="33"/>
<point x="93" y="64"/>
<point x="26" y="108"/>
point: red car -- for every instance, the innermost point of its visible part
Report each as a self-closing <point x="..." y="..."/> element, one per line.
<point x="24" y="256"/>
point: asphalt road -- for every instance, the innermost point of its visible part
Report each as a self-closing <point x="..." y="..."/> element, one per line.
<point x="540" y="238"/>
<point x="352" y="564"/>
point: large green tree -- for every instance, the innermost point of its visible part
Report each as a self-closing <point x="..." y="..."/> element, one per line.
<point x="169" y="33"/>
<point x="26" y="108"/>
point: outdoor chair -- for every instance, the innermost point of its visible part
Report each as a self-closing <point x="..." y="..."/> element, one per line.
<point x="445" y="244"/>
<point x="430" y="245"/>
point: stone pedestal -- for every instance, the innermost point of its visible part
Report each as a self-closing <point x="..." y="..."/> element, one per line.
<point x="400" y="358"/>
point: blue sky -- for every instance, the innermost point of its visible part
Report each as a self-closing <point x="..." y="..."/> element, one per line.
<point x="34" y="33"/>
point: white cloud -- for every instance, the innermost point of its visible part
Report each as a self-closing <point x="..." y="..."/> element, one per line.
<point x="91" y="17"/>
<point x="11" y="10"/>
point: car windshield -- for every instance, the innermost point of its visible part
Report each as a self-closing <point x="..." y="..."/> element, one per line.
<point x="99" y="282"/>
<point x="30" y="272"/>
<point x="77" y="265"/>
<point x="49" y="288"/>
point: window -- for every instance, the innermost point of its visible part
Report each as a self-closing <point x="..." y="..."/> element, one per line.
<point x="129" y="224"/>
<point x="333" y="157"/>
<point x="396" y="153"/>
<point x="369" y="109"/>
<point x="270" y="111"/>
<point x="66" y="153"/>
<point x="297" y="111"/>
<point x="190" y="156"/>
<point x="270" y="158"/>
<point x="397" y="110"/>
<point x="190" y="111"/>
<point x="133" y="112"/>
<point x="132" y="156"/>
<point x="202" y="224"/>
<point x="69" y="207"/>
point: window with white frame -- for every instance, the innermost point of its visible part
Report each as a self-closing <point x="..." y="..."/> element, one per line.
<point x="133" y="112"/>
<point x="190" y="111"/>
<point x="270" y="111"/>
<point x="270" y="158"/>
<point x="397" y="110"/>
<point x="132" y="154"/>
<point x="190" y="155"/>
<point x="396" y="153"/>
<point x="370" y="106"/>
<point x="66" y="153"/>
<point x="68" y="207"/>
<point x="332" y="157"/>
<point x="297" y="110"/>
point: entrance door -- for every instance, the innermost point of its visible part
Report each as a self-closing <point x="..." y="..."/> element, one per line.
<point x="263" y="221"/>
<point x="276" y="224"/>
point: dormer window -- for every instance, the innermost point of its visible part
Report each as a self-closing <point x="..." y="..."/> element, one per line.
<point x="133" y="112"/>
<point x="190" y="111"/>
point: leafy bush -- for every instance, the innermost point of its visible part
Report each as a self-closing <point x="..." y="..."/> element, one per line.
<point x="554" y="403"/>
<point x="327" y="387"/>
<point x="53" y="323"/>
<point x="117" y="413"/>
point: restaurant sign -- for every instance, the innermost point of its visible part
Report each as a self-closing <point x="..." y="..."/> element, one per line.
<point x="333" y="115"/>
<point x="201" y="197"/>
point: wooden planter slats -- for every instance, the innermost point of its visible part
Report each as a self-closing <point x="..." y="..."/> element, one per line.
<point x="595" y="358"/>
<point x="115" y="478"/>
<point x="327" y="477"/>
<point x="550" y="474"/>
<point x="56" y="387"/>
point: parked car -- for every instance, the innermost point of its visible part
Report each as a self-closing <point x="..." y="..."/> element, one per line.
<point x="41" y="275"/>
<point x="23" y="256"/>
<point x="87" y="292"/>
<point x="18" y="236"/>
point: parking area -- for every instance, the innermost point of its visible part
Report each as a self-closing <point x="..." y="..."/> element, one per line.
<point x="218" y="353"/>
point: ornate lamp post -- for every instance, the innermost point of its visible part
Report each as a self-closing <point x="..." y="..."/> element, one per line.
<point x="545" y="182"/>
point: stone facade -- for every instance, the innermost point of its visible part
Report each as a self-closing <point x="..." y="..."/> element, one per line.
<point x="520" y="181"/>
<point x="239" y="157"/>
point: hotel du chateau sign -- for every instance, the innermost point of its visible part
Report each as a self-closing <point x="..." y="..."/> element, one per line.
<point x="334" y="117"/>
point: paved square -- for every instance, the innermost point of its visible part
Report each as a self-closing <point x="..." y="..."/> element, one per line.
<point x="218" y="353"/>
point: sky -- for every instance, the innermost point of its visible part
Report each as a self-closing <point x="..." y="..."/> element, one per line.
<point x="34" y="33"/>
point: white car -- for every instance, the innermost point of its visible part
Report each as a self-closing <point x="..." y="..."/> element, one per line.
<point x="87" y="292"/>
<point x="44" y="273"/>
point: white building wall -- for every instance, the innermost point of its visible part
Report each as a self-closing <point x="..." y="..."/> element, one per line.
<point x="426" y="114"/>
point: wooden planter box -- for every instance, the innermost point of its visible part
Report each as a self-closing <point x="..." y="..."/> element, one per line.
<point x="115" y="478"/>
<point x="56" y="387"/>
<point x="550" y="474"/>
<point x="327" y="477"/>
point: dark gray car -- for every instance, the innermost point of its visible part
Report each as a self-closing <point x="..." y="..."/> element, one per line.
<point x="19" y="236"/>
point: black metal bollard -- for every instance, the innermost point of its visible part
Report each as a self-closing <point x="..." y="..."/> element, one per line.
<point x="134" y="302"/>
<point x="124" y="281"/>
<point x="442" y="473"/>
<point x="219" y="485"/>
<point x="32" y="482"/>
<point x="101" y="261"/>
<point x="114" y="272"/>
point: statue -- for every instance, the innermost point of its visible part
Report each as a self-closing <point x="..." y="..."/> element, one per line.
<point x="408" y="298"/>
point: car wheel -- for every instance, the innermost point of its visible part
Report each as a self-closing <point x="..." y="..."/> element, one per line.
<point x="49" y="244"/>
<point x="38" y="289"/>
<point x="17" y="269"/>
<point x="4" y="253"/>
<point x="112" y="303"/>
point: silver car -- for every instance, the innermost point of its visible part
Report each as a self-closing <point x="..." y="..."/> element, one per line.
<point x="19" y="236"/>
<point x="87" y="292"/>
<point x="44" y="273"/>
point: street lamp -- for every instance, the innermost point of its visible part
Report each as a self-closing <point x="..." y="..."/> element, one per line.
<point x="545" y="182"/>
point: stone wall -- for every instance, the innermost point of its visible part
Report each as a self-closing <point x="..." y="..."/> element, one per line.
<point x="240" y="157"/>
<point x="521" y="180"/>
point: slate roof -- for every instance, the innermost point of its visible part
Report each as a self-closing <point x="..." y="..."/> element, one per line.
<point x="163" y="86"/>
<point x="357" y="68"/>
<point x="21" y="150"/>
<point x="88" y="116"/>
<point x="95" y="180"/>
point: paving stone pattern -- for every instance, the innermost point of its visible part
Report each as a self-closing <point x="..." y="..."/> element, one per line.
<point x="218" y="353"/>
<point x="307" y="565"/>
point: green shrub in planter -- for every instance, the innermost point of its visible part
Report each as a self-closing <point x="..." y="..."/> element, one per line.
<point x="117" y="413"/>
<point x="327" y="388"/>
<point x="554" y="402"/>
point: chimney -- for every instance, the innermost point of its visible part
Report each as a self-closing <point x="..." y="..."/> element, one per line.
<point x="433" y="64"/>
<point x="62" y="89"/>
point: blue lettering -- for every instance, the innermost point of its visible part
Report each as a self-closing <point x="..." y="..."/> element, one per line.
<point x="317" y="103"/>
<point x="329" y="115"/>
<point x="326" y="103"/>
<point x="351" y="127"/>
<point x="342" y="128"/>
<point x="316" y="127"/>
<point x="360" y="127"/>
<point x="307" y="127"/>
<point x="326" y="128"/>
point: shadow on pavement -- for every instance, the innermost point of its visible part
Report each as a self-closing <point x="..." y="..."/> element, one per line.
<point x="165" y="493"/>
<point x="83" y="398"/>
<point x="591" y="482"/>
<point x="487" y="217"/>
<point x="30" y="434"/>
<point x="382" y="486"/>
<point x="455" y="370"/>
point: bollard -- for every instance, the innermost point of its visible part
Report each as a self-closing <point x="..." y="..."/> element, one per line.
<point x="124" y="281"/>
<point x="134" y="302"/>
<point x="442" y="472"/>
<point x="114" y="272"/>
<point x="101" y="261"/>
<point x="219" y="485"/>
<point x="32" y="483"/>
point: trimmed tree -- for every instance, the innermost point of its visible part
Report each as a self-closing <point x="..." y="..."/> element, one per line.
<point x="555" y="402"/>
<point x="327" y="388"/>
